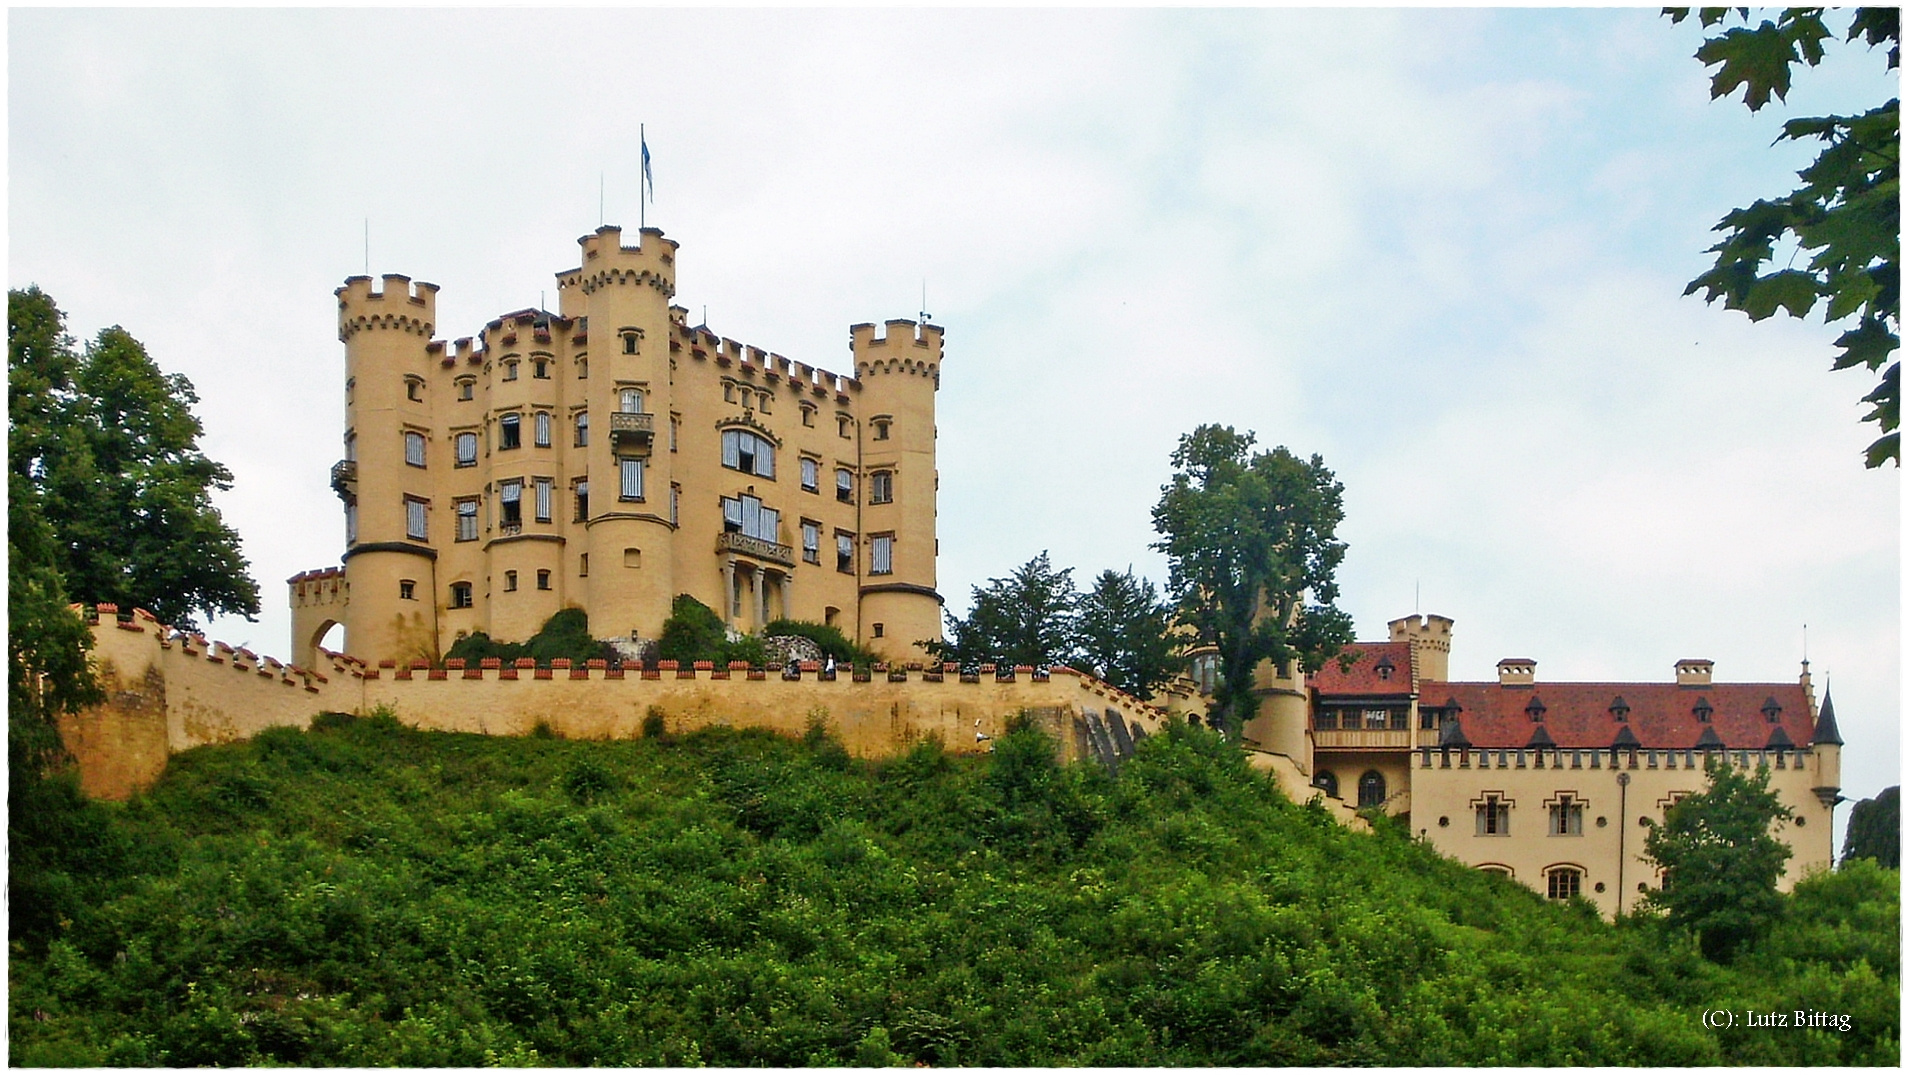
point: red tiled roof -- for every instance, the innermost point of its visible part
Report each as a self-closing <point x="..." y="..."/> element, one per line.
<point x="1366" y="676"/>
<point x="1661" y="716"/>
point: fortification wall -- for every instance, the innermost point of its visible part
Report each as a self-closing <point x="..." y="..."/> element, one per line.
<point x="169" y="692"/>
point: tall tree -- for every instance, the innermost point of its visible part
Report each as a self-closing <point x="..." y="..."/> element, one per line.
<point x="1252" y="543"/>
<point x="1874" y="830"/>
<point x="1124" y="633"/>
<point x="1720" y="861"/>
<point x="1026" y="618"/>
<point x="108" y="445"/>
<point x="1847" y="213"/>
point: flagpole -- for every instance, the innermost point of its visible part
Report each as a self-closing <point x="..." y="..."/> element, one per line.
<point x="642" y="140"/>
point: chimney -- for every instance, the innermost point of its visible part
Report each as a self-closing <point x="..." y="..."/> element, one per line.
<point x="1693" y="672"/>
<point x="1516" y="672"/>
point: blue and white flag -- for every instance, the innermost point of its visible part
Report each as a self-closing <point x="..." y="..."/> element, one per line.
<point x="649" y="178"/>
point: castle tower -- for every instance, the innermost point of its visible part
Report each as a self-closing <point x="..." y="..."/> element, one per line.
<point x="1283" y="723"/>
<point x="624" y="291"/>
<point x="1430" y="638"/>
<point x="900" y="371"/>
<point x="389" y="561"/>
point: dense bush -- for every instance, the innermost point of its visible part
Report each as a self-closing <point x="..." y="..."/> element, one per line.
<point x="693" y="632"/>
<point x="828" y="639"/>
<point x="565" y="635"/>
<point x="366" y="894"/>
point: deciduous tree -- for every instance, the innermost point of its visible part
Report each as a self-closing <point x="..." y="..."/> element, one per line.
<point x="1720" y="861"/>
<point x="1846" y="214"/>
<point x="1252" y="543"/>
<point x="1874" y="830"/>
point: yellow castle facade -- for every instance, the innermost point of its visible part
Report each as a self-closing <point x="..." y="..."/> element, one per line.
<point x="608" y="456"/>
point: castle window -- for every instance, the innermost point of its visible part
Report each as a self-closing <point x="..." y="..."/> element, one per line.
<point x="1325" y="720"/>
<point x="629" y="342"/>
<point x="748" y="453"/>
<point x="510" y="582"/>
<point x="811" y="474"/>
<point x="1536" y="709"/>
<point x="1377" y="719"/>
<point x="460" y="596"/>
<point x="675" y="502"/>
<point x="510" y="432"/>
<point x="582" y="429"/>
<point x="630" y="400"/>
<point x="1327" y="782"/>
<point x="543" y="580"/>
<point x="808" y="414"/>
<point x="881" y="487"/>
<point x="510" y="370"/>
<point x="582" y="367"/>
<point x="1566" y="817"/>
<point x="467" y="520"/>
<point x="844" y="485"/>
<point x="1620" y="709"/>
<point x="1563" y="882"/>
<point x="1430" y="720"/>
<point x="545" y="495"/>
<point x="414" y="449"/>
<point x="1371" y="789"/>
<point x="510" y="495"/>
<point x="675" y="430"/>
<point x="542" y="427"/>
<point x="1703" y="710"/>
<point x="728" y="391"/>
<point x="540" y="369"/>
<point x="880" y="430"/>
<point x="762" y="404"/>
<point x="351" y="388"/>
<point x="1773" y="710"/>
<point x="880" y="629"/>
<point x="632" y="479"/>
<point x="1493" y="817"/>
<point x="881" y="555"/>
<point x="351" y="447"/>
<point x="583" y="566"/>
<point x="745" y="515"/>
<point x="414" y="389"/>
<point x="351" y="523"/>
<point x="466" y="388"/>
<point x="466" y="446"/>
<point x="811" y="541"/>
<point x="842" y="423"/>
<point x="583" y="502"/>
<point x="844" y="552"/>
<point x="407" y="589"/>
<point x="414" y="519"/>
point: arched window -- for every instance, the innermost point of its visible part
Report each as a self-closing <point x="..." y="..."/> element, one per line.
<point x="746" y="452"/>
<point x="466" y="449"/>
<point x="1564" y="882"/>
<point x="582" y="429"/>
<point x="1371" y="789"/>
<point x="414" y="449"/>
<point x="630" y="400"/>
<point x="1327" y="782"/>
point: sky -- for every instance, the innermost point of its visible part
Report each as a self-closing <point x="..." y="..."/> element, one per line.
<point x="1443" y="249"/>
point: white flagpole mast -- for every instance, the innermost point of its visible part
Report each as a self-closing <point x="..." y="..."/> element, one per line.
<point x="642" y="182"/>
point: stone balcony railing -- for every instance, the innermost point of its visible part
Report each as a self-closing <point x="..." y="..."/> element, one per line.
<point x="756" y="547"/>
<point x="631" y="432"/>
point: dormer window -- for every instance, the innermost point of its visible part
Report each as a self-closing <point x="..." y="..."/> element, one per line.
<point x="1773" y="710"/>
<point x="1620" y="709"/>
<point x="1703" y="710"/>
<point x="1535" y="709"/>
<point x="1384" y="668"/>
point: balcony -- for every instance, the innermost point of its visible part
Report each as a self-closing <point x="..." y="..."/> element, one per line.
<point x="1361" y="739"/>
<point x="631" y="434"/>
<point x="732" y="541"/>
<point x="344" y="478"/>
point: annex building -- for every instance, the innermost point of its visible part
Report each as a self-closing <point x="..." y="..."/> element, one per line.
<point x="608" y="456"/>
<point x="1553" y="784"/>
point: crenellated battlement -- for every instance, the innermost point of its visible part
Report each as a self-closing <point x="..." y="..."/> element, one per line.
<point x="608" y="263"/>
<point x="905" y="347"/>
<point x="748" y="361"/>
<point x="169" y="691"/>
<point x="398" y="306"/>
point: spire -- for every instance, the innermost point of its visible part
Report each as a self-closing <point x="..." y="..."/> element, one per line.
<point x="1825" y="730"/>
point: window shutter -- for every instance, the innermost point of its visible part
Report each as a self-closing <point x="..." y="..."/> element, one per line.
<point x="632" y="479"/>
<point x="732" y="449"/>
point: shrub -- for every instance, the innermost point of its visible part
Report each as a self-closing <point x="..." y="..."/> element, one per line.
<point x="693" y="632"/>
<point x="828" y="639"/>
<point x="566" y="634"/>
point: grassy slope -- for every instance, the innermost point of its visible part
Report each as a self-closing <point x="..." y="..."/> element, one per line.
<point x="365" y="894"/>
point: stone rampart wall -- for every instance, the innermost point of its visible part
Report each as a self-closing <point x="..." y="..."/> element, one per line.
<point x="168" y="692"/>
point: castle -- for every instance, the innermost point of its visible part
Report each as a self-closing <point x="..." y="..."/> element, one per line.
<point x="609" y="456"/>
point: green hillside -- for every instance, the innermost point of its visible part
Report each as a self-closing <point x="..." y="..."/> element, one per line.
<point x="364" y="894"/>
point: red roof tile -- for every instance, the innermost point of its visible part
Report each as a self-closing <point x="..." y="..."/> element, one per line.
<point x="1661" y="715"/>
<point x="1368" y="675"/>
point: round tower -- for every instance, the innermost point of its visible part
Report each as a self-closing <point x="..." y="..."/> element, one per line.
<point x="624" y="291"/>
<point x="391" y="611"/>
<point x="899" y="372"/>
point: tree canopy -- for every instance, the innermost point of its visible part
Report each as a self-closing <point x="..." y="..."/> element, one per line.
<point x="1720" y="861"/>
<point x="1846" y="214"/>
<point x="1026" y="618"/>
<point x="1874" y="830"/>
<point x="1124" y="633"/>
<point x="106" y="445"/>
<point x="1251" y="538"/>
